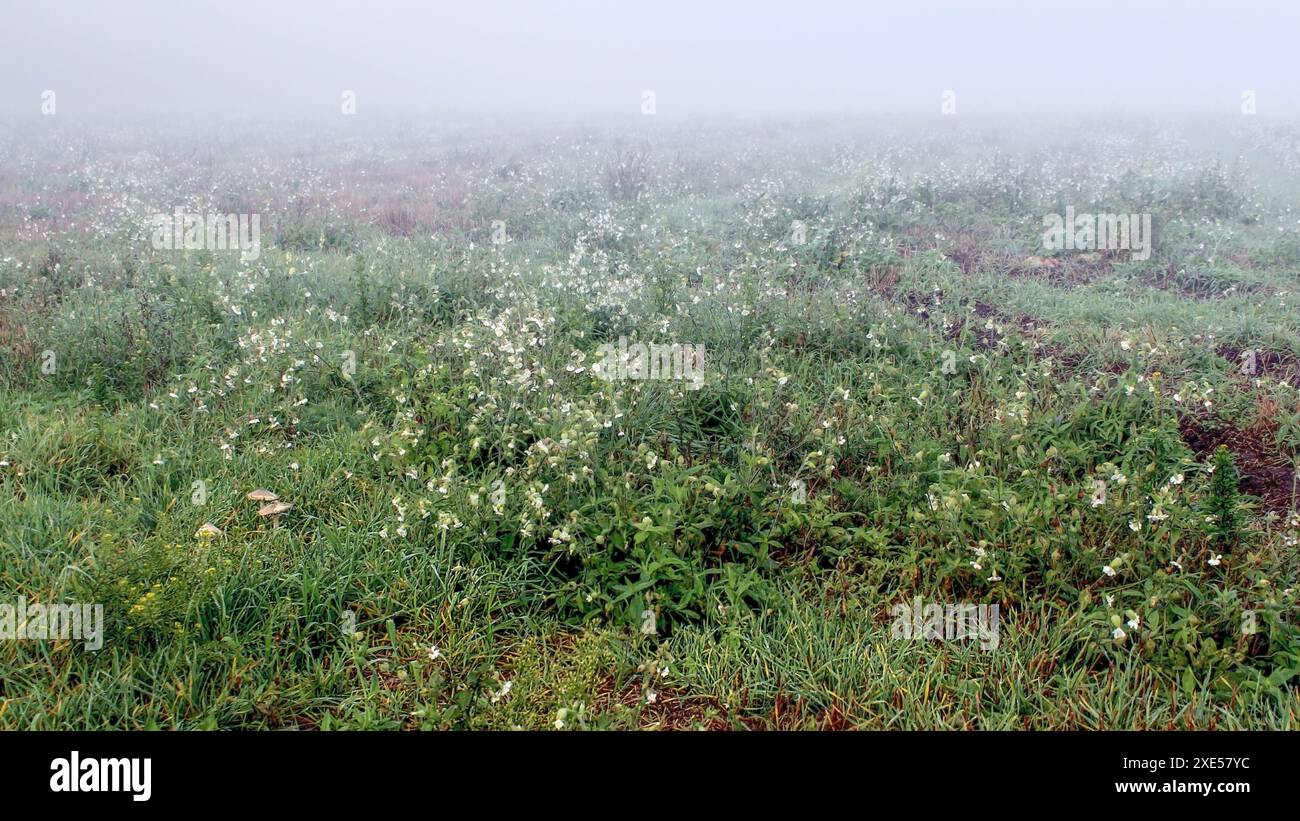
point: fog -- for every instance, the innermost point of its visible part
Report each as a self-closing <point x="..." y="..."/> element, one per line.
<point x="759" y="58"/>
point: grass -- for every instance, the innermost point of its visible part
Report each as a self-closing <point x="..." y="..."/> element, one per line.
<point x="486" y="534"/>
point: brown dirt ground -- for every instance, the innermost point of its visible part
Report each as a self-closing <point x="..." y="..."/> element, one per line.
<point x="1266" y="471"/>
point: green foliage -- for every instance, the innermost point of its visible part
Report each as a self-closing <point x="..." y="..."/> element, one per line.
<point x="1223" y="506"/>
<point x="894" y="402"/>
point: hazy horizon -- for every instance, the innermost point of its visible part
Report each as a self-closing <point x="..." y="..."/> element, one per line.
<point x="765" y="59"/>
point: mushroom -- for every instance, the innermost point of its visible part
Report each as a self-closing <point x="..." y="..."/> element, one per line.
<point x="274" y="509"/>
<point x="207" y="531"/>
<point x="262" y="495"/>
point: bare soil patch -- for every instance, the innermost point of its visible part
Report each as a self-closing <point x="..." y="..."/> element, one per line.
<point x="1266" y="471"/>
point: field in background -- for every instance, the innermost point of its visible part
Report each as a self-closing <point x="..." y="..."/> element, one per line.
<point x="903" y="395"/>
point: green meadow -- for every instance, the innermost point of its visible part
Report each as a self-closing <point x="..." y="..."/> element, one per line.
<point x="882" y="401"/>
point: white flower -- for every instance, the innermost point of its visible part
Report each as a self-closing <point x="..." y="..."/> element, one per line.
<point x="434" y="652"/>
<point x="1108" y="570"/>
<point x="503" y="692"/>
<point x="1176" y="479"/>
<point x="1118" y="634"/>
<point x="1099" y="495"/>
<point x="1135" y="525"/>
<point x="1214" y="560"/>
<point x="1135" y="622"/>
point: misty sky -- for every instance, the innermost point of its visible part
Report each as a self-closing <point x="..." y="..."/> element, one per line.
<point x="797" y="57"/>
